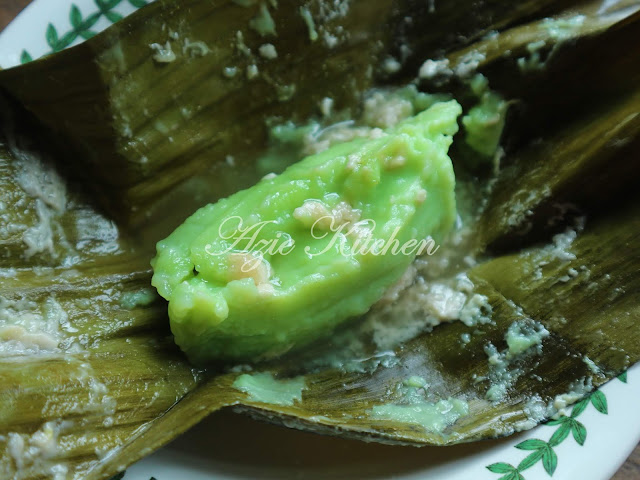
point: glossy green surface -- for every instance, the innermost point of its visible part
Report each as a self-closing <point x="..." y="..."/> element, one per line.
<point x="282" y="263"/>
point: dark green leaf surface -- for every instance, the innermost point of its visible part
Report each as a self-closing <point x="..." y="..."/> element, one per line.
<point x="600" y="402"/>
<point x="559" y="435"/>
<point x="25" y="57"/>
<point x="500" y="468"/>
<point x="138" y="146"/>
<point x="75" y="16"/>
<point x="502" y="279"/>
<point x="531" y="444"/>
<point x="549" y="460"/>
<point x="579" y="407"/>
<point x="157" y="395"/>
<point x="123" y="370"/>
<point x="530" y="460"/>
<point x="579" y="432"/>
<point x="52" y="37"/>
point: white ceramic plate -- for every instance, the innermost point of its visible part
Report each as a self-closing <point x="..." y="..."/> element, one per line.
<point x="591" y="445"/>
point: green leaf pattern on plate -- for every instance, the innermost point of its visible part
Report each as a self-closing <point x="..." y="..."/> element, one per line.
<point x="544" y="450"/>
<point x="81" y="26"/>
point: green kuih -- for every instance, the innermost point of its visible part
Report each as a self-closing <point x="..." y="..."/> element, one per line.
<point x="282" y="263"/>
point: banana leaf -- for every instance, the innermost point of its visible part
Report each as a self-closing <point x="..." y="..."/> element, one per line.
<point x="555" y="47"/>
<point x="114" y="388"/>
<point x="140" y="128"/>
<point x="589" y="163"/>
<point x="132" y="117"/>
<point x="605" y="29"/>
<point x="82" y="366"/>
<point x="590" y="141"/>
<point x="586" y="328"/>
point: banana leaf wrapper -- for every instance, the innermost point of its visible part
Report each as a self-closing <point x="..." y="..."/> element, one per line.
<point x="589" y="152"/>
<point x="590" y="164"/>
<point x="591" y="318"/>
<point x="135" y="366"/>
<point x="99" y="369"/>
<point x="140" y="128"/>
<point x="153" y="394"/>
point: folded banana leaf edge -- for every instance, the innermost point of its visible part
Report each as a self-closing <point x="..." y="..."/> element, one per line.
<point x="112" y="387"/>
